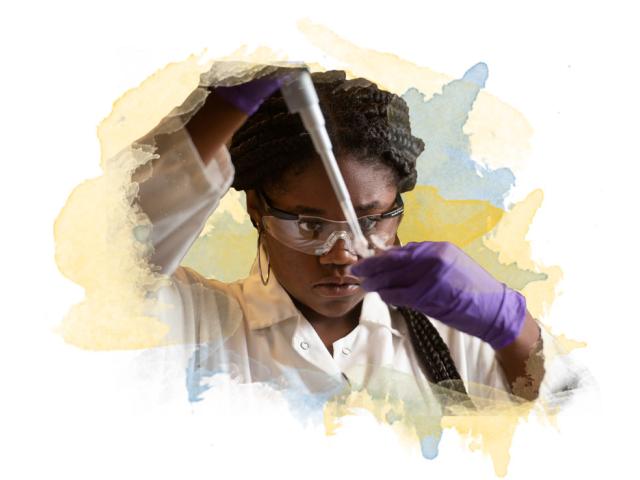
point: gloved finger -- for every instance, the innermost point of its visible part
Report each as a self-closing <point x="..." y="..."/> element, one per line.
<point x="286" y="74"/>
<point x="248" y="96"/>
<point x="399" y="277"/>
<point x="394" y="269"/>
<point x="392" y="259"/>
<point x="399" y="296"/>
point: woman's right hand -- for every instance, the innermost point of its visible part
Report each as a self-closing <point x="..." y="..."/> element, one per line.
<point x="224" y="112"/>
<point x="248" y="96"/>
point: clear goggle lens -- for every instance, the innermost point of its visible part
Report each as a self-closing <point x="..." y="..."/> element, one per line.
<point x="317" y="236"/>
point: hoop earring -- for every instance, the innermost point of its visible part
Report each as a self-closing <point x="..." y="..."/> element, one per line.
<point x="264" y="282"/>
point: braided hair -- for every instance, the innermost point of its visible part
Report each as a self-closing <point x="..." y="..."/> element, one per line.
<point x="362" y="120"/>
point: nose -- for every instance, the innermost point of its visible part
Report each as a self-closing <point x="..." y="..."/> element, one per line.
<point x="338" y="255"/>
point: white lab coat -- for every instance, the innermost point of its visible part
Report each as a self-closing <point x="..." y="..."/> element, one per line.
<point x="249" y="332"/>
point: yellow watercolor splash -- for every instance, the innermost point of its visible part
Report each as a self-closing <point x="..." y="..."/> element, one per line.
<point x="140" y="109"/>
<point x="382" y="410"/>
<point x="431" y="217"/>
<point x="96" y="245"/>
<point x="490" y="432"/>
<point x="229" y="225"/>
<point x="487" y="426"/>
<point x="95" y="248"/>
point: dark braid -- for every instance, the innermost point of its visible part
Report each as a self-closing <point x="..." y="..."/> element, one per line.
<point x="361" y="119"/>
<point x="434" y="356"/>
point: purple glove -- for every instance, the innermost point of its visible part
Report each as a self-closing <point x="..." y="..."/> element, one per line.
<point x="440" y="280"/>
<point x="249" y="96"/>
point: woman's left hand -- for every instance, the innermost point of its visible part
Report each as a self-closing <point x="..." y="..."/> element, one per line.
<point x="440" y="280"/>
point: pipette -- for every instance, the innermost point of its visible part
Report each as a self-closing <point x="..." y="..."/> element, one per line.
<point x="301" y="97"/>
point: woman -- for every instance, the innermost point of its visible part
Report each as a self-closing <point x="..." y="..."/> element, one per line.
<point x="312" y="314"/>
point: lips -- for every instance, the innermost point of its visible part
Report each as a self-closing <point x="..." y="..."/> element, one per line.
<point x="333" y="281"/>
<point x="337" y="286"/>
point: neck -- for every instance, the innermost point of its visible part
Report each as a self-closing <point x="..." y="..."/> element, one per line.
<point x="352" y="315"/>
<point x="330" y="329"/>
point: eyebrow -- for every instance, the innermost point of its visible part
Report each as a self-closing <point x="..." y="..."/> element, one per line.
<point x="304" y="210"/>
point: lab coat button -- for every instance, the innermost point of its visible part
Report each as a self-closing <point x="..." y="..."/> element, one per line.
<point x="304" y="345"/>
<point x="346" y="351"/>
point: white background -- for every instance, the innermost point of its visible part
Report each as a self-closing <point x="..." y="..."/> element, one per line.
<point x="571" y="68"/>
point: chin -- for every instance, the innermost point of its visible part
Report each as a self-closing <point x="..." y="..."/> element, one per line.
<point x="329" y="307"/>
<point x="337" y="307"/>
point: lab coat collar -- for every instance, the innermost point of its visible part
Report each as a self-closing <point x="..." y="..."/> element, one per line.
<point x="269" y="304"/>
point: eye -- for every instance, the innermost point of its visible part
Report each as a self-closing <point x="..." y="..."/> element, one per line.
<point x="310" y="226"/>
<point x="368" y="224"/>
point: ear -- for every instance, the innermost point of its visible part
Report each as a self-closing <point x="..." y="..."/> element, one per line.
<point x="253" y="208"/>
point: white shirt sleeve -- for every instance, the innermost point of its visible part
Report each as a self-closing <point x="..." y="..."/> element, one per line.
<point x="178" y="193"/>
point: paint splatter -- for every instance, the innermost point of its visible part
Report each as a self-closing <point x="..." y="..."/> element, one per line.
<point x="446" y="163"/>
<point x="463" y="181"/>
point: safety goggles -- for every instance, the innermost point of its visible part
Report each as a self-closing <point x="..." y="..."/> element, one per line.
<point x="317" y="235"/>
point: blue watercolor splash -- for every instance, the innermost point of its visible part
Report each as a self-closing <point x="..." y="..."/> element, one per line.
<point x="429" y="445"/>
<point x="205" y="364"/>
<point x="446" y="162"/>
